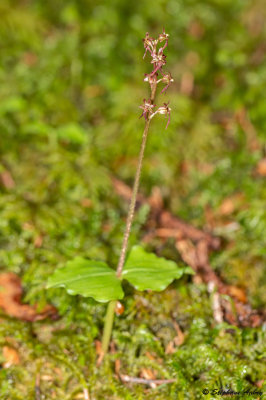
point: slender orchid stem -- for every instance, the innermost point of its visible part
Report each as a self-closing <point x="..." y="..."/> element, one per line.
<point x="109" y="317"/>
<point x="132" y="202"/>
<point x="158" y="61"/>
<point x="135" y="190"/>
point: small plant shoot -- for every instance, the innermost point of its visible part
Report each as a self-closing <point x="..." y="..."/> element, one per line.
<point x="144" y="271"/>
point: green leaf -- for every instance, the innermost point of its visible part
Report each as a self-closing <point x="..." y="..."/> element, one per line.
<point x="89" y="279"/>
<point x="147" y="271"/>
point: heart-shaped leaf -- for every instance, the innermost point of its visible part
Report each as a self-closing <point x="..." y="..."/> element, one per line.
<point x="88" y="278"/>
<point x="147" y="271"/>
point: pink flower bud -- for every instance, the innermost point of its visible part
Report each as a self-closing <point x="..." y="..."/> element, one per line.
<point x="163" y="36"/>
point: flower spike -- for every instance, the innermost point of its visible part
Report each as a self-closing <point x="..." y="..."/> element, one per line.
<point x="158" y="59"/>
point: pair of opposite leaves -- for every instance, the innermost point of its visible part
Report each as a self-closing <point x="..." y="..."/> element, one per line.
<point x="89" y="278"/>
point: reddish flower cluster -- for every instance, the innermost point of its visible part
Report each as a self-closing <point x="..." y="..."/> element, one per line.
<point x="158" y="59"/>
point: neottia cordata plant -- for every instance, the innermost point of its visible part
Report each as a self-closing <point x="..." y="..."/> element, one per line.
<point x="145" y="271"/>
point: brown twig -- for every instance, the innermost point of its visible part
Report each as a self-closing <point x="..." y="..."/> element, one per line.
<point x="166" y="219"/>
<point x="216" y="303"/>
<point x="150" y="382"/>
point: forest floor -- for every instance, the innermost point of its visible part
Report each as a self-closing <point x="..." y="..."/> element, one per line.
<point x="71" y="82"/>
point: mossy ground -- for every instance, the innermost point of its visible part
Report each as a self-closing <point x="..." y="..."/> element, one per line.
<point x="70" y="86"/>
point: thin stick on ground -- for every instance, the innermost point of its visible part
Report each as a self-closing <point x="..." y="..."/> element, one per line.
<point x="150" y="382"/>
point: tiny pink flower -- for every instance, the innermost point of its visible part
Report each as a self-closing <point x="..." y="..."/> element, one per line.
<point x="163" y="36"/>
<point x="150" y="78"/>
<point x="159" y="60"/>
<point x="147" y="108"/>
<point x="158" y="57"/>
<point x="167" y="79"/>
<point x="149" y="43"/>
<point x="164" y="110"/>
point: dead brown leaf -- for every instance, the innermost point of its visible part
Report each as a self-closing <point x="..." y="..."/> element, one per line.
<point x="247" y="316"/>
<point x="99" y="352"/>
<point x="11" y="356"/>
<point x="168" y="233"/>
<point x="150" y="356"/>
<point x="7" y="180"/>
<point x="156" y="199"/>
<point x="167" y="220"/>
<point x="242" y="118"/>
<point x="38" y="241"/>
<point x="231" y="204"/>
<point x="259" y="383"/>
<point x="170" y="348"/>
<point x="177" y="341"/>
<point x="237" y="293"/>
<point x="188" y="252"/>
<point x="10" y="300"/>
<point x="180" y="338"/>
<point x="147" y="373"/>
<point x="86" y="203"/>
<point x="227" y="207"/>
<point x="261" y="167"/>
<point x="98" y="347"/>
<point x="117" y="366"/>
<point x="153" y="357"/>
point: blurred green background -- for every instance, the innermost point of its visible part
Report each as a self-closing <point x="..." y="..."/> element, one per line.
<point x="71" y="82"/>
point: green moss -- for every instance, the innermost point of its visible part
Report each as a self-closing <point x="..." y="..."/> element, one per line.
<point x="70" y="85"/>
